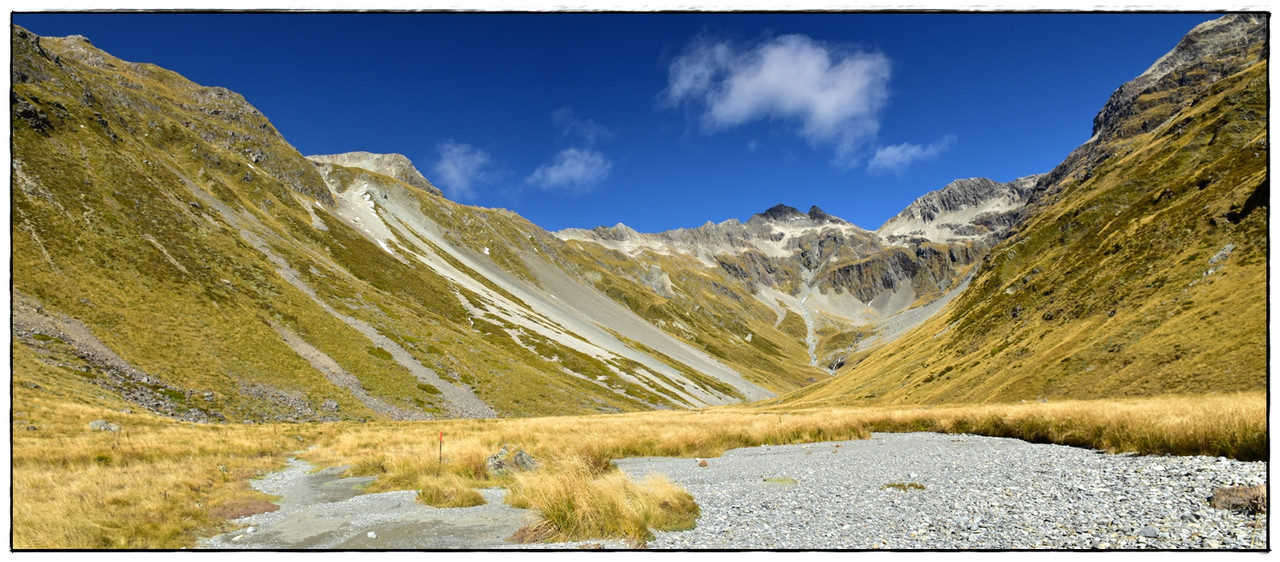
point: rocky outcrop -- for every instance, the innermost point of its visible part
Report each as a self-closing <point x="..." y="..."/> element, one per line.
<point x="782" y="212"/>
<point x="397" y="166"/>
<point x="974" y="209"/>
<point x="1209" y="52"/>
<point x="925" y="267"/>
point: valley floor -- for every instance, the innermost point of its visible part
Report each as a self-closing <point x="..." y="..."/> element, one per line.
<point x="893" y="491"/>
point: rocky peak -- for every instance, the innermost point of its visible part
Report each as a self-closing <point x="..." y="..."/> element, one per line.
<point x="397" y="166"/>
<point x="616" y="232"/>
<point x="1212" y="49"/>
<point x="782" y="212"/>
<point x="818" y="215"/>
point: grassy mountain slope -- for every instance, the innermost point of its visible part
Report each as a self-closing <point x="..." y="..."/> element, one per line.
<point x="1141" y="270"/>
<point x="172" y="247"/>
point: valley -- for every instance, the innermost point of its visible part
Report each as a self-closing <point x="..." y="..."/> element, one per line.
<point x="181" y="271"/>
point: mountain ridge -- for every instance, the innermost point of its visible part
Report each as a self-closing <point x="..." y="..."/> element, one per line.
<point x="232" y="278"/>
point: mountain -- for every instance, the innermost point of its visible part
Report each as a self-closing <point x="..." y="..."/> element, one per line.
<point x="851" y="287"/>
<point x="171" y="249"/>
<point x="1138" y="266"/>
<point x="394" y="165"/>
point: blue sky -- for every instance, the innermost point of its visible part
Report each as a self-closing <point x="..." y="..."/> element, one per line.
<point x="664" y="121"/>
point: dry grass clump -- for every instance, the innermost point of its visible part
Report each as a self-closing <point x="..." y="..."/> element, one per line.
<point x="576" y="500"/>
<point x="449" y="491"/>
<point x="1252" y="499"/>
<point x="903" y="486"/>
<point x="576" y="490"/>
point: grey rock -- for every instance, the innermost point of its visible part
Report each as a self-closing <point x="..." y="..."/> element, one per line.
<point x="1149" y="532"/>
<point x="496" y="464"/>
<point x="1222" y="254"/>
<point x="938" y="207"/>
<point x="504" y="462"/>
<point x="103" y="425"/>
<point x="524" y="461"/>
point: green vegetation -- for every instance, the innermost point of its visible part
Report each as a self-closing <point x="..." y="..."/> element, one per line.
<point x="903" y="486"/>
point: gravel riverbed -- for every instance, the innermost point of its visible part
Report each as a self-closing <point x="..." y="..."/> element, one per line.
<point x="897" y="491"/>
<point x="941" y="491"/>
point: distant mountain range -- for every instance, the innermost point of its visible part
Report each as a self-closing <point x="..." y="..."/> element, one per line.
<point x="170" y="247"/>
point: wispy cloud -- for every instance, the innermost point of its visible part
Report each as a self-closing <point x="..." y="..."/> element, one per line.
<point x="586" y="131"/>
<point x="579" y="169"/>
<point x="574" y="170"/>
<point x="461" y="168"/>
<point x="832" y="94"/>
<point x="898" y="157"/>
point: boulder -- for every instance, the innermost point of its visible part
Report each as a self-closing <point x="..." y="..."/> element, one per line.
<point x="503" y="462"/>
<point x="524" y="461"/>
<point x="497" y="463"/>
<point x="103" y="425"/>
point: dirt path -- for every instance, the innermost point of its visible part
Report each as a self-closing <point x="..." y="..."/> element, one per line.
<point x="322" y="510"/>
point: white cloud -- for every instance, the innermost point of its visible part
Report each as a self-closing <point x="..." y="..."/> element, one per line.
<point x="831" y="93"/>
<point x="460" y="168"/>
<point x="574" y="170"/>
<point x="896" y="158"/>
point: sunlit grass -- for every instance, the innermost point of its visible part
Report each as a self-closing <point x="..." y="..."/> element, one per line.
<point x="1228" y="425"/>
<point x="164" y="484"/>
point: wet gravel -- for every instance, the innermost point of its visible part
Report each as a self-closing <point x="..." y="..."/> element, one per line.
<point x="941" y="491"/>
<point x="323" y="510"/>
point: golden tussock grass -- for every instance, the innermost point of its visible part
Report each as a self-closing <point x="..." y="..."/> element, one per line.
<point x="577" y="499"/>
<point x="1227" y="425"/>
<point x="146" y="486"/>
<point x="163" y="484"/>
<point x="155" y="483"/>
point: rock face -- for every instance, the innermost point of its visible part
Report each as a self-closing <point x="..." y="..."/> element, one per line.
<point x="394" y="165"/>
<point x="1206" y="54"/>
<point x="975" y="209"/>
